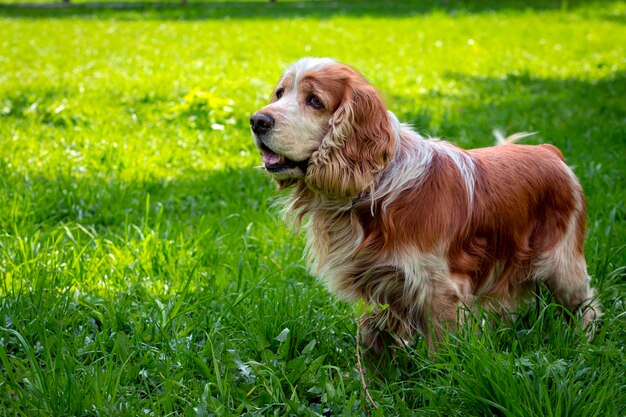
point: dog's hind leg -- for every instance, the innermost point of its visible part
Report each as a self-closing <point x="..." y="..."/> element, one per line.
<point x="564" y="271"/>
<point x="570" y="286"/>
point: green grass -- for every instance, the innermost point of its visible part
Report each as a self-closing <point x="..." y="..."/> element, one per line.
<point x="143" y="270"/>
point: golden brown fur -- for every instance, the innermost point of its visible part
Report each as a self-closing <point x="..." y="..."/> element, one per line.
<point x="417" y="225"/>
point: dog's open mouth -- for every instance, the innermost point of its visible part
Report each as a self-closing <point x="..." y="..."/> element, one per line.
<point x="274" y="162"/>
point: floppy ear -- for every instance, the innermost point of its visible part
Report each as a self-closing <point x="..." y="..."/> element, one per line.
<point x="358" y="145"/>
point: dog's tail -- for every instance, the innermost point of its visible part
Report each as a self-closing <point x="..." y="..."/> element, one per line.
<point x="509" y="140"/>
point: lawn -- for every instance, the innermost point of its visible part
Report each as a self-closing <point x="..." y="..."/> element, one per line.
<point x="145" y="271"/>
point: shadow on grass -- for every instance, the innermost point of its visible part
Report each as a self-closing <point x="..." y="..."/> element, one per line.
<point x="558" y="109"/>
<point x="586" y="118"/>
<point x="110" y="204"/>
<point x="265" y="10"/>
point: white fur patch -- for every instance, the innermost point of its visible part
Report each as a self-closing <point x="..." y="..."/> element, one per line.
<point x="464" y="164"/>
<point x="409" y="164"/>
<point x="308" y="64"/>
<point x="412" y="162"/>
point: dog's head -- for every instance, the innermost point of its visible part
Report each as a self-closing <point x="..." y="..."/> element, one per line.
<point x="326" y="126"/>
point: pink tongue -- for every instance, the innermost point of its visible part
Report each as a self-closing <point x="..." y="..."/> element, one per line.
<point x="270" y="158"/>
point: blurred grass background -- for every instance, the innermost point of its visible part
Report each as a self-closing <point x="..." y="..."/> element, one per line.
<point x="144" y="271"/>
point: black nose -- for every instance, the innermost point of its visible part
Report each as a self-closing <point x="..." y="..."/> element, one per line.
<point x="261" y="123"/>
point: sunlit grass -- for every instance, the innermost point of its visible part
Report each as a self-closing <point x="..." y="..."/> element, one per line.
<point x="143" y="269"/>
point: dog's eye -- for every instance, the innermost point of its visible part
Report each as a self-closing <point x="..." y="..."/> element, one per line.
<point x="315" y="102"/>
<point x="279" y="92"/>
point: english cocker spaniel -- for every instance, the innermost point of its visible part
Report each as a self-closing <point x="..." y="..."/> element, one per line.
<point x="418" y="226"/>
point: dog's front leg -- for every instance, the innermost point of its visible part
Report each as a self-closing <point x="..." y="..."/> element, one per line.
<point x="447" y="306"/>
<point x="386" y="326"/>
<point x="392" y="319"/>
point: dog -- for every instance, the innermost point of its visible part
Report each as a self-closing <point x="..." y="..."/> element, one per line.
<point x="418" y="228"/>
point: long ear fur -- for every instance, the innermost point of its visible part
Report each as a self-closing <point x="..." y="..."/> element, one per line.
<point x="358" y="145"/>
